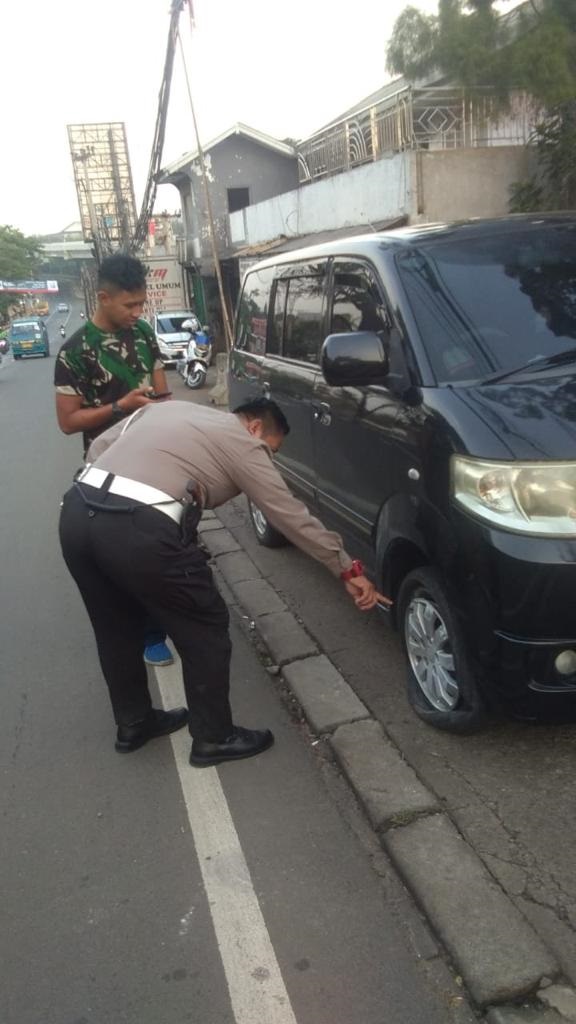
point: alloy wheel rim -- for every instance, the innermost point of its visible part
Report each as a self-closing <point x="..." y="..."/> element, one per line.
<point x="430" y="654"/>
<point x="193" y="378"/>
<point x="259" y="519"/>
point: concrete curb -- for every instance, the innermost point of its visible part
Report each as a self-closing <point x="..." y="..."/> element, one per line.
<point x="522" y="1015"/>
<point x="498" y="953"/>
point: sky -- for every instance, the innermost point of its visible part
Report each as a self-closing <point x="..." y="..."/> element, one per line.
<point x="282" y="68"/>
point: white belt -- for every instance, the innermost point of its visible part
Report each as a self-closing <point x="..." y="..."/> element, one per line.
<point x="126" y="488"/>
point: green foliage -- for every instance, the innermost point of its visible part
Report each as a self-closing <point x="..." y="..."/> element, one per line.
<point x="19" y="254"/>
<point x="468" y="42"/>
<point x="536" y="51"/>
<point x="553" y="186"/>
<point x="19" y="257"/>
<point x="412" y="48"/>
<point x="525" y="197"/>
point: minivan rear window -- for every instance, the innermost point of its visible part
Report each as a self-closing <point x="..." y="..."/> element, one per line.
<point x="486" y="304"/>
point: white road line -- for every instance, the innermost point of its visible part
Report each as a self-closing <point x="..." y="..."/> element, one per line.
<point x="255" y="983"/>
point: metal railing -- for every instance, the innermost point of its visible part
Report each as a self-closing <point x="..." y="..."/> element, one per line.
<point x="434" y="118"/>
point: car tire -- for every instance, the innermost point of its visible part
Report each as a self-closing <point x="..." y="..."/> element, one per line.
<point x="442" y="687"/>
<point x="266" y="534"/>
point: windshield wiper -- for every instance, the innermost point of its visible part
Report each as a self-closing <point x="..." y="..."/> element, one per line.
<point x="541" y="362"/>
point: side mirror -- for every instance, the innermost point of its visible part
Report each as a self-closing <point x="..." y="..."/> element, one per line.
<point x="353" y="359"/>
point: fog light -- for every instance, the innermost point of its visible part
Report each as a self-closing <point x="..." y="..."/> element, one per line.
<point x="565" y="663"/>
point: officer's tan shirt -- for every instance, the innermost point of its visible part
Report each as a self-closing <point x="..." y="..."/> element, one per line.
<point x="167" y="445"/>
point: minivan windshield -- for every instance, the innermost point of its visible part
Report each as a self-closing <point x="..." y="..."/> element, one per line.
<point x="171" y="324"/>
<point x="489" y="303"/>
<point x="25" y="331"/>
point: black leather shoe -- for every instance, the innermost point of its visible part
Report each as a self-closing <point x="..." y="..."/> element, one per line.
<point x="242" y="743"/>
<point x="157" y="723"/>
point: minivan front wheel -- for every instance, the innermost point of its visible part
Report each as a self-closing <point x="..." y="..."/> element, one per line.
<point x="267" y="535"/>
<point x="442" y="689"/>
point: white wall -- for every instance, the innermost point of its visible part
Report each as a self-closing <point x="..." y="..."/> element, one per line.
<point x="425" y="186"/>
<point x="377" y="191"/>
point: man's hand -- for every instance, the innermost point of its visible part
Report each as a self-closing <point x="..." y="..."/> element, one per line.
<point x="364" y="593"/>
<point x="135" y="399"/>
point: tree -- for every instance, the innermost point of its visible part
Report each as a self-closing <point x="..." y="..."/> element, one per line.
<point x="19" y="258"/>
<point x="19" y="254"/>
<point x="470" y="44"/>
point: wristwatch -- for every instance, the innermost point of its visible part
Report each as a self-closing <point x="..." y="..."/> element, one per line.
<point x="356" y="569"/>
<point x="117" y="411"/>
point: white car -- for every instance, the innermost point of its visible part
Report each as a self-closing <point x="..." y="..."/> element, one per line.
<point x="172" y="335"/>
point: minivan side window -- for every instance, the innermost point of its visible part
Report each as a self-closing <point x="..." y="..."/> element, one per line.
<point x="253" y="311"/>
<point x="303" y="319"/>
<point x="356" y="301"/>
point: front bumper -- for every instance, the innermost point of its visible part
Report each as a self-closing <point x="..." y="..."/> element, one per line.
<point x="170" y="356"/>
<point x="518" y="609"/>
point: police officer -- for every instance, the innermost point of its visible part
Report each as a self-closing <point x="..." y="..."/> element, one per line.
<point x="128" y="534"/>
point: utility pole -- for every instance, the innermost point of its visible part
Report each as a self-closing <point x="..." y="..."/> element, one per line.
<point x="202" y="163"/>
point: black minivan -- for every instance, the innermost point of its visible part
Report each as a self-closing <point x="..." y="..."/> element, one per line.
<point x="429" y="378"/>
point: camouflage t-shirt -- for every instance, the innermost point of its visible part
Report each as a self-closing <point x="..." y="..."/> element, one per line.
<point x="102" y="367"/>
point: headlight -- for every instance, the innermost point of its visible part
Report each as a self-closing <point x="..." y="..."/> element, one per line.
<point x="527" y="497"/>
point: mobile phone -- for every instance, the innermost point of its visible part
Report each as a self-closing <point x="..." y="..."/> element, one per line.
<point x="163" y="394"/>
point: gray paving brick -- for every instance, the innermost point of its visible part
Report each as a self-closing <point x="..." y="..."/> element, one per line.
<point x="522" y="1015"/>
<point x="385" y="784"/>
<point x="284" y="637"/>
<point x="209" y="525"/>
<point x="560" y="998"/>
<point x="258" y="598"/>
<point x="497" y="952"/>
<point x="236" y="567"/>
<point x="326" y="697"/>
<point x="220" y="542"/>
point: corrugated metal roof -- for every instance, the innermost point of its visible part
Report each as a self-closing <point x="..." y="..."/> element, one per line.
<point x="284" y="244"/>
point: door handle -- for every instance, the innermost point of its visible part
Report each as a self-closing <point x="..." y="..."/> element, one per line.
<point x="322" y="413"/>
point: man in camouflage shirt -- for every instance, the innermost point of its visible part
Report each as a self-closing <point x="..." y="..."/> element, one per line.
<point x="108" y="369"/>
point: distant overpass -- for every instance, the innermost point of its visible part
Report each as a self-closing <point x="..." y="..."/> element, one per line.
<point x="70" y="250"/>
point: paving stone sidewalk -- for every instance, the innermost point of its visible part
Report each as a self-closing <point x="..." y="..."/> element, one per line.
<point x="511" y="975"/>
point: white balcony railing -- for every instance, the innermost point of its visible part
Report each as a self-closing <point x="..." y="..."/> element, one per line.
<point x="442" y="117"/>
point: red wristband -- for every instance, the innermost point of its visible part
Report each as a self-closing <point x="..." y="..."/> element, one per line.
<point x="356" y="569"/>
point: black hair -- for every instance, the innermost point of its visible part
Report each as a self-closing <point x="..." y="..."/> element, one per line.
<point x="266" y="410"/>
<point x="122" y="272"/>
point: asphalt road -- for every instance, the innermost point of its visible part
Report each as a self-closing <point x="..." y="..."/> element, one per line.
<point x="136" y="890"/>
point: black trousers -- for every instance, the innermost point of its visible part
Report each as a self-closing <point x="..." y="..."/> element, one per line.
<point x="131" y="566"/>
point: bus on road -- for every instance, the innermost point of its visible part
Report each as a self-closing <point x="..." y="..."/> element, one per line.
<point x="28" y="337"/>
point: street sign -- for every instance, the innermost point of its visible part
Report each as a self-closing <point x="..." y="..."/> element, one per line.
<point x="28" y="286"/>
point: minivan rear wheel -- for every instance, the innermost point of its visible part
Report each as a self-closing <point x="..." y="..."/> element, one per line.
<point x="442" y="689"/>
<point x="267" y="535"/>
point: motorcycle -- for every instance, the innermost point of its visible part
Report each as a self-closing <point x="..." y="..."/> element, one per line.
<point x="194" y="367"/>
<point x="62" y="332"/>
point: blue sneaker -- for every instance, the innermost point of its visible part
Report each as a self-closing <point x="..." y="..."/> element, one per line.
<point x="158" y="655"/>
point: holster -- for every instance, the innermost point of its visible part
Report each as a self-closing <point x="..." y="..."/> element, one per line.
<point x="192" y="514"/>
